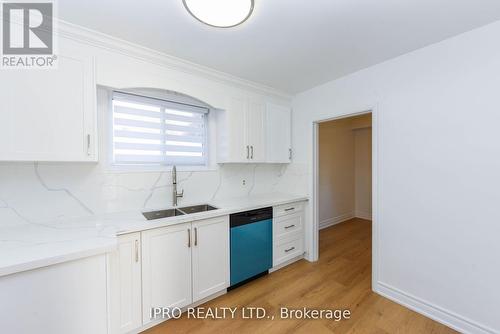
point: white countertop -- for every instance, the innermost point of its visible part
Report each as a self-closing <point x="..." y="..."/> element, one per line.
<point x="31" y="246"/>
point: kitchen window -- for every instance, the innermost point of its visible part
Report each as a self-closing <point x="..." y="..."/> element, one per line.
<point x="154" y="132"/>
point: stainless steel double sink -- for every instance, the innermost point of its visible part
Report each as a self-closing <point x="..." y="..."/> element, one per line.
<point x="187" y="210"/>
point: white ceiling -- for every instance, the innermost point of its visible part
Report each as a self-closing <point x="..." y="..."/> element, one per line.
<point x="291" y="45"/>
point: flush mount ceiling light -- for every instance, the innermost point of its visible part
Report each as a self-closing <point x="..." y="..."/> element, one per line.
<point x="220" y="13"/>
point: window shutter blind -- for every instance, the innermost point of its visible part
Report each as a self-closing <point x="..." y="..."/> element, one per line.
<point x="153" y="131"/>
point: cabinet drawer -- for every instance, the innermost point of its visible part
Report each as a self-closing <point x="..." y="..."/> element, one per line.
<point x="287" y="225"/>
<point x="287" y="249"/>
<point x="288" y="209"/>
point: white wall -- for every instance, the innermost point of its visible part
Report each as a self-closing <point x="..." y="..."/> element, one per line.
<point x="363" y="172"/>
<point x="336" y="172"/>
<point x="437" y="146"/>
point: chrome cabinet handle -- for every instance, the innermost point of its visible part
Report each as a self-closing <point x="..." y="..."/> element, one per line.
<point x="289" y="209"/>
<point x="196" y="236"/>
<point x="289" y="226"/>
<point x="137" y="251"/>
<point x="251" y="148"/>
<point x="289" y="249"/>
<point x="248" y="152"/>
<point x="189" y="237"/>
<point x="88" y="144"/>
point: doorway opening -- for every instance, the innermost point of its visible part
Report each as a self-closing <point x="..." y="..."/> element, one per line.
<point x="344" y="184"/>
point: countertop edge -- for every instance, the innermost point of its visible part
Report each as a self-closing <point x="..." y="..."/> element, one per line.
<point x="57" y="259"/>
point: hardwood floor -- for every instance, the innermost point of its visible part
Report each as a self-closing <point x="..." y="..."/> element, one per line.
<point x="341" y="279"/>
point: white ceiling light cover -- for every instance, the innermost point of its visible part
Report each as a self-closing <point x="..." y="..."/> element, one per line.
<point x="220" y="13"/>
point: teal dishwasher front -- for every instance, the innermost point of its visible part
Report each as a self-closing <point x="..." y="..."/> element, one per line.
<point x="251" y="245"/>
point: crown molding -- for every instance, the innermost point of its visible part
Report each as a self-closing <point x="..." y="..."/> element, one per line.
<point x="104" y="41"/>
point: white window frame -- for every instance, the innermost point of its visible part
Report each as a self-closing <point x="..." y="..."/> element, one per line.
<point x="163" y="96"/>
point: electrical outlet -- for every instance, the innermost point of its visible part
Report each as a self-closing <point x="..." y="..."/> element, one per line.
<point x="244" y="182"/>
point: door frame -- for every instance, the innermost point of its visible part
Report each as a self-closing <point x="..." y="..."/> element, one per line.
<point x="375" y="191"/>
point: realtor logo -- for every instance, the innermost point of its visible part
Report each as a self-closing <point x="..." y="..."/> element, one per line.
<point x="27" y="34"/>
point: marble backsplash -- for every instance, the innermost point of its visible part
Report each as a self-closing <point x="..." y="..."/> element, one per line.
<point x="47" y="192"/>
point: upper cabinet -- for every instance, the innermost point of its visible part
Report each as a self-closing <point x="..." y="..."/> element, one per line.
<point x="251" y="131"/>
<point x="278" y="134"/>
<point x="50" y="114"/>
<point x="256" y="132"/>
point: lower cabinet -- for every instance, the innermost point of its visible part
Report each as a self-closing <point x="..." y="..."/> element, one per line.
<point x="288" y="232"/>
<point x="124" y="282"/>
<point x="172" y="266"/>
<point x="166" y="268"/>
<point x="210" y="257"/>
<point x="184" y="263"/>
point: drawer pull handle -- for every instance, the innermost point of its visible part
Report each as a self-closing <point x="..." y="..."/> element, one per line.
<point x="289" y="226"/>
<point x="289" y="249"/>
<point x="289" y="209"/>
<point x="189" y="237"/>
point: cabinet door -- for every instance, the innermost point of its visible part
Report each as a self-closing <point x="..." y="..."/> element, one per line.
<point x="256" y="131"/>
<point x="124" y="282"/>
<point x="237" y="130"/>
<point x="210" y="257"/>
<point x="278" y="130"/>
<point x="166" y="268"/>
<point x="50" y="114"/>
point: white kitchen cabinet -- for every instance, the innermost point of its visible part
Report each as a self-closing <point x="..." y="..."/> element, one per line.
<point x="50" y="114"/>
<point x="288" y="232"/>
<point x="210" y="256"/>
<point x="256" y="137"/>
<point x="166" y="268"/>
<point x="278" y="134"/>
<point x="232" y="132"/>
<point x="171" y="266"/>
<point x="124" y="283"/>
<point x="251" y="131"/>
<point x="184" y="263"/>
<point x="241" y="132"/>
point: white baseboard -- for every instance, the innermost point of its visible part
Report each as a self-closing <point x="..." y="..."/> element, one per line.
<point x="448" y="318"/>
<point x="363" y="215"/>
<point x="335" y="220"/>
